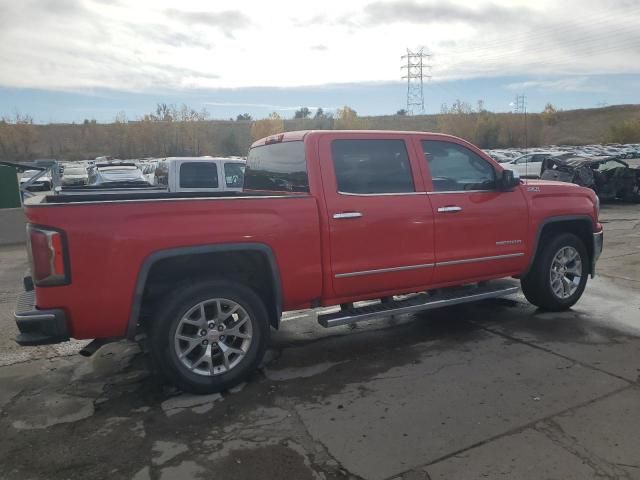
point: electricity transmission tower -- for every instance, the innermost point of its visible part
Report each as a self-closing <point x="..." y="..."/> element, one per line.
<point x="416" y="71"/>
<point x="520" y="104"/>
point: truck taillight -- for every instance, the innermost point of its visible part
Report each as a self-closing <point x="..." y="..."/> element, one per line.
<point x="47" y="253"/>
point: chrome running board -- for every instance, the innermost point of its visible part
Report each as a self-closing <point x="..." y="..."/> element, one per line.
<point x="425" y="301"/>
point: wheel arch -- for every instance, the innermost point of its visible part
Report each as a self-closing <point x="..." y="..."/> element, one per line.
<point x="271" y="294"/>
<point x="580" y="225"/>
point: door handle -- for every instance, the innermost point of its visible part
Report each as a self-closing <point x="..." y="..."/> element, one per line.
<point x="339" y="216"/>
<point x="450" y="209"/>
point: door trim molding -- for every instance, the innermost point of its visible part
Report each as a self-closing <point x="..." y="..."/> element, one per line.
<point x="384" y="270"/>
<point x="392" y="194"/>
<point x="479" y="259"/>
<point x="428" y="265"/>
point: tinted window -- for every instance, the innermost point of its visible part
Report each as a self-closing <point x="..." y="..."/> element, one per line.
<point x="372" y="166"/>
<point x="198" y="175"/>
<point x="454" y="167"/>
<point x="234" y="174"/>
<point x="277" y="167"/>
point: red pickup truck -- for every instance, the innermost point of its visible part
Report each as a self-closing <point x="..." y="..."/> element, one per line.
<point x="325" y="218"/>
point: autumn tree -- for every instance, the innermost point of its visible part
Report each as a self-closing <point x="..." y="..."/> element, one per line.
<point x="267" y="126"/>
<point x="458" y="120"/>
<point x="347" y="119"/>
<point x="625" y="132"/>
<point x="549" y="115"/>
<point x="229" y="145"/>
<point x="487" y="130"/>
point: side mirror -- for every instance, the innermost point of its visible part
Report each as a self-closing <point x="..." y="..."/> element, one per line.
<point x="508" y="180"/>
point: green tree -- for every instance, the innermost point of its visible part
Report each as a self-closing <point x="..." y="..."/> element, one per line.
<point x="402" y="112"/>
<point x="243" y="117"/>
<point x="302" y="112"/>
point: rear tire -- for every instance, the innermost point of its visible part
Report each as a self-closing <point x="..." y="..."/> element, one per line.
<point x="210" y="336"/>
<point x="559" y="273"/>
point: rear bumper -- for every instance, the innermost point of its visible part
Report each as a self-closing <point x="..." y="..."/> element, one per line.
<point x="38" y="327"/>
<point x="598" y="243"/>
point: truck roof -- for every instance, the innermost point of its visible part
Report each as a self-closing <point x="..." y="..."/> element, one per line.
<point x="299" y="135"/>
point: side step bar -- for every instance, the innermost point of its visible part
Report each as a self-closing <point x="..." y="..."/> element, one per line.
<point x="425" y="301"/>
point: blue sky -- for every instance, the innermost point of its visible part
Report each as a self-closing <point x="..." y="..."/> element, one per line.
<point x="567" y="92"/>
<point x="67" y="60"/>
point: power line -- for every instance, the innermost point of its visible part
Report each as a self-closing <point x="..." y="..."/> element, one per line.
<point x="416" y="72"/>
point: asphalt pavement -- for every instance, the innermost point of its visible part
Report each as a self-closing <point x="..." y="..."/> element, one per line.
<point x="496" y="389"/>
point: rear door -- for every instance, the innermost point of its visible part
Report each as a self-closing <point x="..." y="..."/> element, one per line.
<point x="380" y="224"/>
<point x="479" y="231"/>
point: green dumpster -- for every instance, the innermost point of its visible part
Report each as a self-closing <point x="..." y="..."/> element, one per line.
<point x="9" y="191"/>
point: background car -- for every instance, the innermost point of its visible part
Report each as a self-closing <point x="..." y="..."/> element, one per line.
<point x="75" y="175"/>
<point x="611" y="178"/>
<point x="43" y="183"/>
<point x="530" y="164"/>
<point x="120" y="174"/>
<point x="201" y="174"/>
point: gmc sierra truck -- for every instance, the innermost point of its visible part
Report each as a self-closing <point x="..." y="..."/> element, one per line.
<point x="406" y="221"/>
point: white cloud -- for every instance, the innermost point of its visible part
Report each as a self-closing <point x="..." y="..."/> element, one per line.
<point x="571" y="84"/>
<point x="165" y="44"/>
<point x="279" y="108"/>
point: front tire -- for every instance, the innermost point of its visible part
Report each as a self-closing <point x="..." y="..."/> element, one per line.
<point x="559" y="274"/>
<point x="209" y="337"/>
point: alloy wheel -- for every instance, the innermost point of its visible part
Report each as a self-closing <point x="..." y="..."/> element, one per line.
<point x="566" y="272"/>
<point x="213" y="336"/>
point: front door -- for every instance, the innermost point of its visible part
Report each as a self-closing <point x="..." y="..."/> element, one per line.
<point x="380" y="223"/>
<point x="479" y="231"/>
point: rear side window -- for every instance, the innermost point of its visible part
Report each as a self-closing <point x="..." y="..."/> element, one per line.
<point x="372" y="166"/>
<point x="162" y="173"/>
<point x="456" y="168"/>
<point x="198" y="175"/>
<point x="277" y="167"/>
<point x="233" y="174"/>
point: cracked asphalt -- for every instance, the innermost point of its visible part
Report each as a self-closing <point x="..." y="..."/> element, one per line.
<point x="496" y="389"/>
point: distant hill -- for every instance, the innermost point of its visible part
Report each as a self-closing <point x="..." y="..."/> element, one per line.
<point x="153" y="138"/>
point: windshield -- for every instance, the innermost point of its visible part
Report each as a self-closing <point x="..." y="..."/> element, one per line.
<point x="75" y="171"/>
<point x="277" y="167"/>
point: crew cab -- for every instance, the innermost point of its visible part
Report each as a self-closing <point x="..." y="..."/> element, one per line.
<point x="325" y="218"/>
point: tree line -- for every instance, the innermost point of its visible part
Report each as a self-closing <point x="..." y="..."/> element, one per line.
<point x="183" y="131"/>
